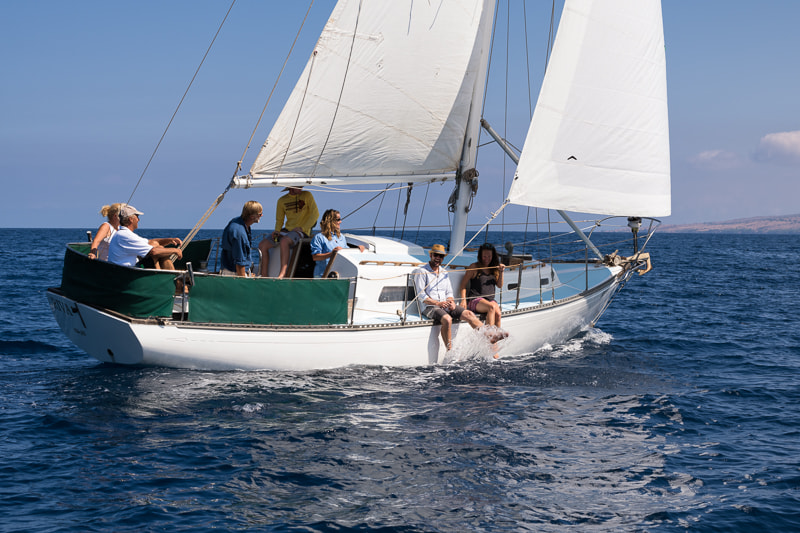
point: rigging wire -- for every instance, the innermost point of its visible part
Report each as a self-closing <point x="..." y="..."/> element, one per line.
<point x="405" y="209"/>
<point x="357" y="209"/>
<point x="396" y="211"/>
<point x="489" y="62"/>
<point x="164" y="134"/>
<point x="527" y="58"/>
<point x="550" y="37"/>
<point x="530" y="110"/>
<point x="489" y="69"/>
<point x="424" y="203"/>
<point x="548" y="50"/>
<point x="464" y="247"/>
<point x="505" y="116"/>
<point x="219" y="198"/>
<point x="377" y="212"/>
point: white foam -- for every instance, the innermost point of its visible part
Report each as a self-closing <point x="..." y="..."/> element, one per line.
<point x="474" y="344"/>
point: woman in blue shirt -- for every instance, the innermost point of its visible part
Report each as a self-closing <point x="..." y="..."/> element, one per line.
<point x="328" y="241"/>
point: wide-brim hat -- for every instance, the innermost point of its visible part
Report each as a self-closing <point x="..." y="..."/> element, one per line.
<point x="438" y="249"/>
<point x="292" y="187"/>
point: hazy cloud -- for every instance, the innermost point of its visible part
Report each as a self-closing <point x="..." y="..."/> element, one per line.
<point x="782" y="148"/>
<point x="716" y="160"/>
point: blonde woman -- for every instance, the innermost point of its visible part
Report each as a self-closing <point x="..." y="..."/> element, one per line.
<point x="105" y="232"/>
<point x="327" y="242"/>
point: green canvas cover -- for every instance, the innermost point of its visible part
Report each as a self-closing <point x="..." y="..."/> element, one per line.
<point x="133" y="292"/>
<point x="264" y="301"/>
<point x="196" y="252"/>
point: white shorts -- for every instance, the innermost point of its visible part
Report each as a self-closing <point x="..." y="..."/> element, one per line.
<point x="295" y="236"/>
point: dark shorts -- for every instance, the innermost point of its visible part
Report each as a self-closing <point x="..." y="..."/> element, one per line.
<point x="436" y="313"/>
<point x="148" y="261"/>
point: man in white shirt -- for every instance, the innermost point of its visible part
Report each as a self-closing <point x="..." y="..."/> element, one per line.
<point x="435" y="294"/>
<point x="127" y="248"/>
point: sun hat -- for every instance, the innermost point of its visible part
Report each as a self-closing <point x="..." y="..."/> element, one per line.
<point x="438" y="249"/>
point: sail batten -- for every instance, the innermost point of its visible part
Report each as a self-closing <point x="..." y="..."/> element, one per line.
<point x="599" y="138"/>
<point x="375" y="100"/>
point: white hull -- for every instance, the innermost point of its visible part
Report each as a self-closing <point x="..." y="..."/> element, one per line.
<point x="114" y="339"/>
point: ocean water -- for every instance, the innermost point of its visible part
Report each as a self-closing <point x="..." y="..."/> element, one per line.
<point x="680" y="411"/>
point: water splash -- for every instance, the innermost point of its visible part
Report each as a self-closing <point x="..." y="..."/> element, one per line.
<point x="479" y="344"/>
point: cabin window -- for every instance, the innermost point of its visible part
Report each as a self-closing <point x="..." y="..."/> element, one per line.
<point x="396" y="294"/>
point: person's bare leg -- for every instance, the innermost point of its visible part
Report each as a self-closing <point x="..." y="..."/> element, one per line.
<point x="286" y="246"/>
<point x="447" y="322"/>
<point x="264" y="247"/>
<point x="494" y="336"/>
<point x="485" y="307"/>
<point x="470" y="318"/>
<point x="496" y="314"/>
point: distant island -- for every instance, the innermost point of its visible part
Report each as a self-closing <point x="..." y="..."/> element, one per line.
<point x="777" y="224"/>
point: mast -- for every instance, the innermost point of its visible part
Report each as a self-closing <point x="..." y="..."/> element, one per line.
<point x="467" y="173"/>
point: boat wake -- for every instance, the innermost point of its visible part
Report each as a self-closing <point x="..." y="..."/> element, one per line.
<point x="484" y="344"/>
<point x="592" y="337"/>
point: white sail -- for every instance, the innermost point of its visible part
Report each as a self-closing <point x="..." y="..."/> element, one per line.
<point x="599" y="139"/>
<point x="385" y="103"/>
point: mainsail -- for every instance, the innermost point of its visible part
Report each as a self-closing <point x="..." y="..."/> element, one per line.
<point x="381" y="103"/>
<point x="599" y="139"/>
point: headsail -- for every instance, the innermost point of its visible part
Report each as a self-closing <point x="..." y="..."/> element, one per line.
<point x="599" y="139"/>
<point x="384" y="98"/>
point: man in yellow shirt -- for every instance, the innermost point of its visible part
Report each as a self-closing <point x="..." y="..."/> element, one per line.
<point x="300" y="212"/>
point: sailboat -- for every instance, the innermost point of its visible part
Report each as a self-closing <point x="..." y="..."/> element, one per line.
<point x="393" y="94"/>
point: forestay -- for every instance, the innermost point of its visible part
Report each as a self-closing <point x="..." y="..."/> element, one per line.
<point x="598" y="141"/>
<point x="378" y="102"/>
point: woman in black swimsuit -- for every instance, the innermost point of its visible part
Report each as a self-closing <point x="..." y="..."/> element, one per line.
<point x="479" y="282"/>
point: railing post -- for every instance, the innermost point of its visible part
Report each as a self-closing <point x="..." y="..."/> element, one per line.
<point x="405" y="300"/>
<point x="586" y="267"/>
<point x="354" y="283"/>
<point x="541" y="296"/>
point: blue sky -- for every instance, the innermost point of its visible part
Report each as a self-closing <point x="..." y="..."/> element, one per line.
<point x="89" y="86"/>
